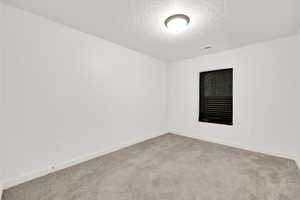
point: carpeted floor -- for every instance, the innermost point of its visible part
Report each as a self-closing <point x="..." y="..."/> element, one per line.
<point x="169" y="167"/>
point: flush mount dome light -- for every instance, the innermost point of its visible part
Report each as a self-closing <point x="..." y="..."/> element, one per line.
<point x="177" y="23"/>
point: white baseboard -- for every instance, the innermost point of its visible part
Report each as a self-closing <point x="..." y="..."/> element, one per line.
<point x="1" y="191"/>
<point x="58" y="166"/>
<point x="245" y="147"/>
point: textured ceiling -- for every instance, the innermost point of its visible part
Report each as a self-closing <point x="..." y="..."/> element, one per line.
<point x="138" y="24"/>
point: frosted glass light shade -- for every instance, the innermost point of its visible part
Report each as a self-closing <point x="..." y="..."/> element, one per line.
<point x="177" y="23"/>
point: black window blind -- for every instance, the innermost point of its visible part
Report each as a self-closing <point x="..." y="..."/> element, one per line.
<point x="216" y="96"/>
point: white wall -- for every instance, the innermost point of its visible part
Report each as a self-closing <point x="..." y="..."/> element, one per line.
<point x="1" y="89"/>
<point x="70" y="94"/>
<point x="298" y="153"/>
<point x="266" y="97"/>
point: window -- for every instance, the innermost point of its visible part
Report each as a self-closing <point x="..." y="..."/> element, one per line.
<point x="216" y="96"/>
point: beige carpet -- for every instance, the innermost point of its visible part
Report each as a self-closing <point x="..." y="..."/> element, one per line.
<point x="169" y="167"/>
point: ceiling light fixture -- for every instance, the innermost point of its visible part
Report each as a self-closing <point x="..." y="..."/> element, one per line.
<point x="177" y="23"/>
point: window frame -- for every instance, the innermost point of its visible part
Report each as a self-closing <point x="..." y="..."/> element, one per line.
<point x="201" y="93"/>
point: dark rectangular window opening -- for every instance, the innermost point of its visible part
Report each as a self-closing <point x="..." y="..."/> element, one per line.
<point x="216" y="96"/>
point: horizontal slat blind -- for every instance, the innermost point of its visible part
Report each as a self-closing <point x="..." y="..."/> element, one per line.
<point x="219" y="107"/>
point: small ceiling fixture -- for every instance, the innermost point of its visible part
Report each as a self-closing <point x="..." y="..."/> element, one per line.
<point x="177" y="23"/>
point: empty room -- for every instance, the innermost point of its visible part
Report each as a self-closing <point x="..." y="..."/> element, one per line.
<point x="149" y="100"/>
